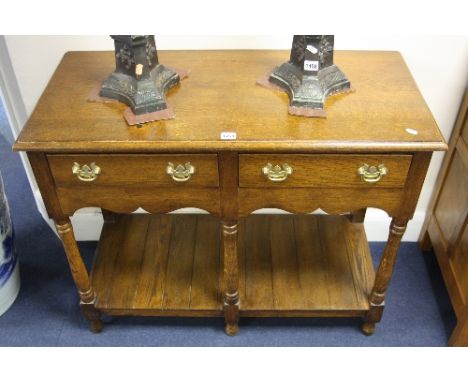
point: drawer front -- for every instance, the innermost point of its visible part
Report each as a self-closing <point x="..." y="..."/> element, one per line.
<point x="135" y="170"/>
<point x="263" y="170"/>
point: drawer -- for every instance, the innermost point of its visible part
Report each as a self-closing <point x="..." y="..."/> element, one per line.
<point x="328" y="170"/>
<point x="135" y="170"/>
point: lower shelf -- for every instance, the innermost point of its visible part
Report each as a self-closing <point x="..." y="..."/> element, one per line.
<point x="289" y="265"/>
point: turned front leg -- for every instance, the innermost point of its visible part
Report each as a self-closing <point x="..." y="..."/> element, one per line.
<point x="80" y="274"/>
<point x="384" y="275"/>
<point x="231" y="278"/>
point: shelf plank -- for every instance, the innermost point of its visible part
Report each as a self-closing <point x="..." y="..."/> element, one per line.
<point x="177" y="292"/>
<point x="361" y="266"/>
<point x="152" y="279"/>
<point x="103" y="266"/>
<point x="289" y="265"/>
<point x="124" y="281"/>
<point x="340" y="282"/>
<point x="312" y="269"/>
<point x="205" y="290"/>
<point x="287" y="292"/>
<point x="258" y="287"/>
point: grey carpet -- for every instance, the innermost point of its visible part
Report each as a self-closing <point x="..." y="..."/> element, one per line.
<point x="46" y="313"/>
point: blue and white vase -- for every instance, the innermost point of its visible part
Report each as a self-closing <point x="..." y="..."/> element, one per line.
<point x="9" y="269"/>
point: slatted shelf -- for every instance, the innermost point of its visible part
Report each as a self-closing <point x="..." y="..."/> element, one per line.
<point x="289" y="265"/>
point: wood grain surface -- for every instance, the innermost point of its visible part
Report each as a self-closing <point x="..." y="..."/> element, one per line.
<point x="291" y="265"/>
<point x="220" y="95"/>
<point x="129" y="199"/>
<point x="331" y="200"/>
<point x="233" y="264"/>
<point x="135" y="170"/>
<point x="322" y="170"/>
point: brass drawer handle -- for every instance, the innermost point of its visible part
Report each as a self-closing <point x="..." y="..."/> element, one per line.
<point x="181" y="173"/>
<point x="277" y="173"/>
<point x="86" y="173"/>
<point x="372" y="174"/>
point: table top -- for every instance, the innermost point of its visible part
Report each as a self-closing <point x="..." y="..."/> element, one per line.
<point x="221" y="95"/>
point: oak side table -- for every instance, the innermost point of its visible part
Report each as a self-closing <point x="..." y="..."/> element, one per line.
<point x="373" y="150"/>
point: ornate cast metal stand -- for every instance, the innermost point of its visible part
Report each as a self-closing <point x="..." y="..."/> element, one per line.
<point x="310" y="75"/>
<point x="139" y="80"/>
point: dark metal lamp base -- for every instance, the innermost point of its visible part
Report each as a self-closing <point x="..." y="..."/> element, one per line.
<point x="144" y="95"/>
<point x="309" y="91"/>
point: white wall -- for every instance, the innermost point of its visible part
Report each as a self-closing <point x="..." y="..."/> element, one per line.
<point x="5" y="129"/>
<point x="438" y="63"/>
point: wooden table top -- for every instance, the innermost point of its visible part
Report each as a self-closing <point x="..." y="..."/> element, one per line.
<point x="220" y="94"/>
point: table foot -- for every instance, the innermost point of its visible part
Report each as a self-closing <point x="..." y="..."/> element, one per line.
<point x="231" y="314"/>
<point x="96" y="326"/>
<point x="93" y="316"/>
<point x="368" y="328"/>
<point x="232" y="329"/>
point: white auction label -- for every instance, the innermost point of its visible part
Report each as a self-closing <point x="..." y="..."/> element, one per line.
<point x="228" y="136"/>
<point x="311" y="65"/>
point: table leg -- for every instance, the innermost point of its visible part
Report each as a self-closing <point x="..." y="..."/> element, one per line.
<point x="231" y="278"/>
<point x="383" y="275"/>
<point x="80" y="274"/>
